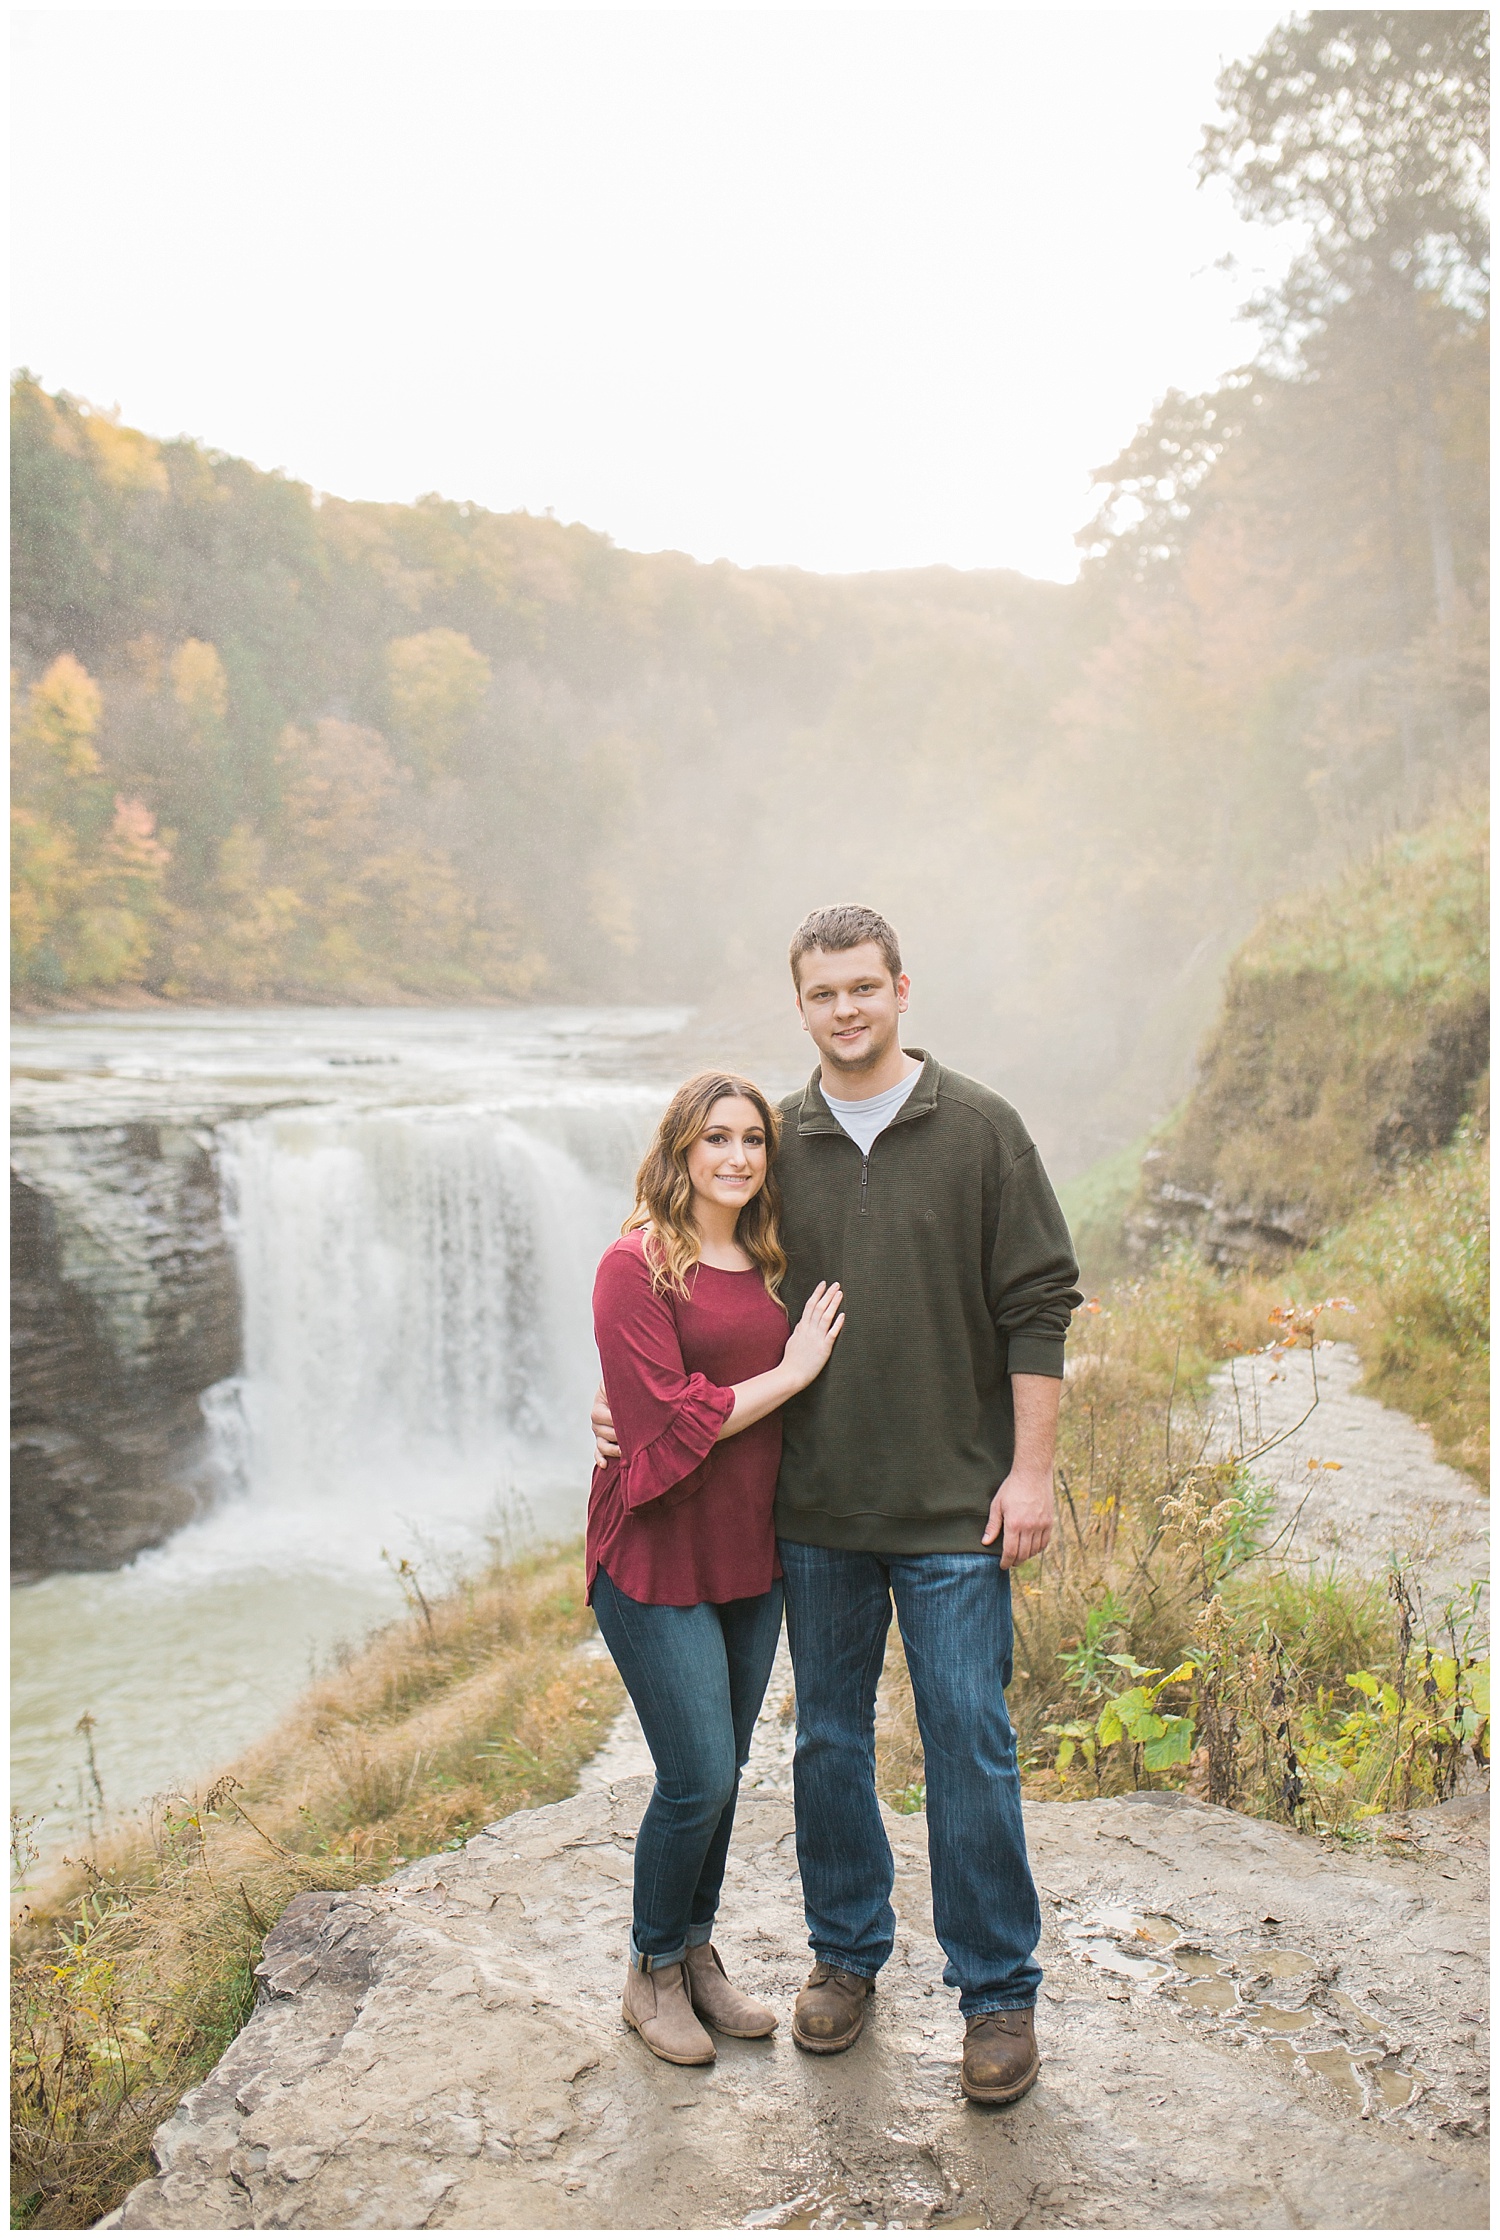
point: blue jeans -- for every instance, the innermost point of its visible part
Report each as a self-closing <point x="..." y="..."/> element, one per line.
<point x="697" y="1677"/>
<point x="954" y="1613"/>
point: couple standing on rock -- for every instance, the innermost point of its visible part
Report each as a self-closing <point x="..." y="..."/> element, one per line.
<point x="898" y="1216"/>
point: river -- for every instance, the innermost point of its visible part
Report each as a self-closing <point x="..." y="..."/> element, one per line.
<point x="414" y="1201"/>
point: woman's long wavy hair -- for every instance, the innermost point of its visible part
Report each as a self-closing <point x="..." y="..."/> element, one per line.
<point x="664" y="1192"/>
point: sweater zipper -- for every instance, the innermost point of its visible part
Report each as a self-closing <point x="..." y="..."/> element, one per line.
<point x="864" y="1180"/>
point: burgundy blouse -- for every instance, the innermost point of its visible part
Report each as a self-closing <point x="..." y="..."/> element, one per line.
<point x="680" y="1519"/>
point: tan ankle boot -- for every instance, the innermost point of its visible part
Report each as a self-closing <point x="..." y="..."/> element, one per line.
<point x="656" y="2003"/>
<point x="718" y="2003"/>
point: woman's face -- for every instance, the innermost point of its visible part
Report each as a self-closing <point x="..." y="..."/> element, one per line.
<point x="727" y="1164"/>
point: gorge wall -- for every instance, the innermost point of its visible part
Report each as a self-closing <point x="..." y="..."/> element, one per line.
<point x="125" y="1310"/>
<point x="1352" y="1039"/>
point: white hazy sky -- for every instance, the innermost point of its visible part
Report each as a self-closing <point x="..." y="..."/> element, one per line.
<point x="839" y="288"/>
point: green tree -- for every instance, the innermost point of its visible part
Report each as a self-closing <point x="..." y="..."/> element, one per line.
<point x="1370" y="127"/>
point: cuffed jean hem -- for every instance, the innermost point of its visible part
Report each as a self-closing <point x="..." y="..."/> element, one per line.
<point x="700" y="1933"/>
<point x="996" y="2006"/>
<point x="850" y="1967"/>
<point x="658" y="1959"/>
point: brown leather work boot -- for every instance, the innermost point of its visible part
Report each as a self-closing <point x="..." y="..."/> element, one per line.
<point x="1000" y="2056"/>
<point x="716" y="2002"/>
<point x="656" y="2004"/>
<point x="830" y="2010"/>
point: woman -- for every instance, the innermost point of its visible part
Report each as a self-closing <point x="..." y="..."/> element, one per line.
<point x="682" y="1567"/>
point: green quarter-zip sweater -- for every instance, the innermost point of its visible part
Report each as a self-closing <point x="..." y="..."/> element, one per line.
<point x="958" y="1271"/>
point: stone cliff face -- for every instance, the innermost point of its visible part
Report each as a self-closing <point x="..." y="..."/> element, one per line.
<point x="1292" y="1121"/>
<point x="1352" y="1040"/>
<point x="125" y="1309"/>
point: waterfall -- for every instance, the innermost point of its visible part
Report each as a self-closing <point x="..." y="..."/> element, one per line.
<point x="415" y="1291"/>
<point x="371" y="1237"/>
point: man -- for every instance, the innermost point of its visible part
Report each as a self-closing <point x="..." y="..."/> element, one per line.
<point x="917" y="1468"/>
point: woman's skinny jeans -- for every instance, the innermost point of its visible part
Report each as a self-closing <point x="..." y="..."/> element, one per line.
<point x="697" y="1677"/>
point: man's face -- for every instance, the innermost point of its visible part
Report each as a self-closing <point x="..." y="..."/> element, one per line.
<point x="851" y="1006"/>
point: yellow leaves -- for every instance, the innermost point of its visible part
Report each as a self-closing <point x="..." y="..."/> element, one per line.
<point x="1314" y="1464"/>
<point x="436" y="683"/>
<point x="84" y="912"/>
<point x="112" y="929"/>
<point x="42" y="858"/>
<point x="125" y="459"/>
<point x="54" y="738"/>
<point x="199" y="685"/>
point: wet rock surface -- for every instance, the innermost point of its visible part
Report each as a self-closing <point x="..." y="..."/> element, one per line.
<point x="445" y="2050"/>
<point x="124" y="1309"/>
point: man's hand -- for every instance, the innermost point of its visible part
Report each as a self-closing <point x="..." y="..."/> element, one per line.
<point x="1023" y="1510"/>
<point x="605" y="1449"/>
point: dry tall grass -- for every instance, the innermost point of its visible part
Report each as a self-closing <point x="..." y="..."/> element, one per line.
<point x="1418" y="1263"/>
<point x="1157" y="1565"/>
<point x="133" y="1967"/>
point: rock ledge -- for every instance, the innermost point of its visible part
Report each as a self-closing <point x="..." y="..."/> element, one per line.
<point x="445" y="2050"/>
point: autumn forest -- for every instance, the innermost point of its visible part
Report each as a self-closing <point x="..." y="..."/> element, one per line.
<point x="272" y="745"/>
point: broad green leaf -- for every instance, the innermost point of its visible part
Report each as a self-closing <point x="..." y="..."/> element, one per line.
<point x="1174" y="1747"/>
<point x="1145" y="1726"/>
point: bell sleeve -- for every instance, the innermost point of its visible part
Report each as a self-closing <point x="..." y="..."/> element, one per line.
<point x="667" y="1421"/>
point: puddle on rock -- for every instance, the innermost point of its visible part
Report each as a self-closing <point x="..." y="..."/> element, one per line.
<point x="1152" y="1948"/>
<point x="1191" y="1960"/>
<point x="1335" y="2064"/>
<point x="1104" y="1953"/>
<point x="821" y="2209"/>
<point x="1278" y="1965"/>
<point x="1348" y="2012"/>
<point x="1103" y="1938"/>
<point x="1281" y="2022"/>
<point x="1215" y="1994"/>
<point x="1395" y="2085"/>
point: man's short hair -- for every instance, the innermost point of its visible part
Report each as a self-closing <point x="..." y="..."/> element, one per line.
<point x="844" y="925"/>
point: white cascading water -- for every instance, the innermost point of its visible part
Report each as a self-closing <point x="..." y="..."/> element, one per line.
<point x="417" y="1337"/>
<point x="418" y="1361"/>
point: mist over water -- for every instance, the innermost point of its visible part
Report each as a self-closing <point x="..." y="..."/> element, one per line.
<point x="415" y="1258"/>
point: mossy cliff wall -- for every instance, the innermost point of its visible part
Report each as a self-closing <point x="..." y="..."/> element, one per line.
<point x="1353" y="1037"/>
